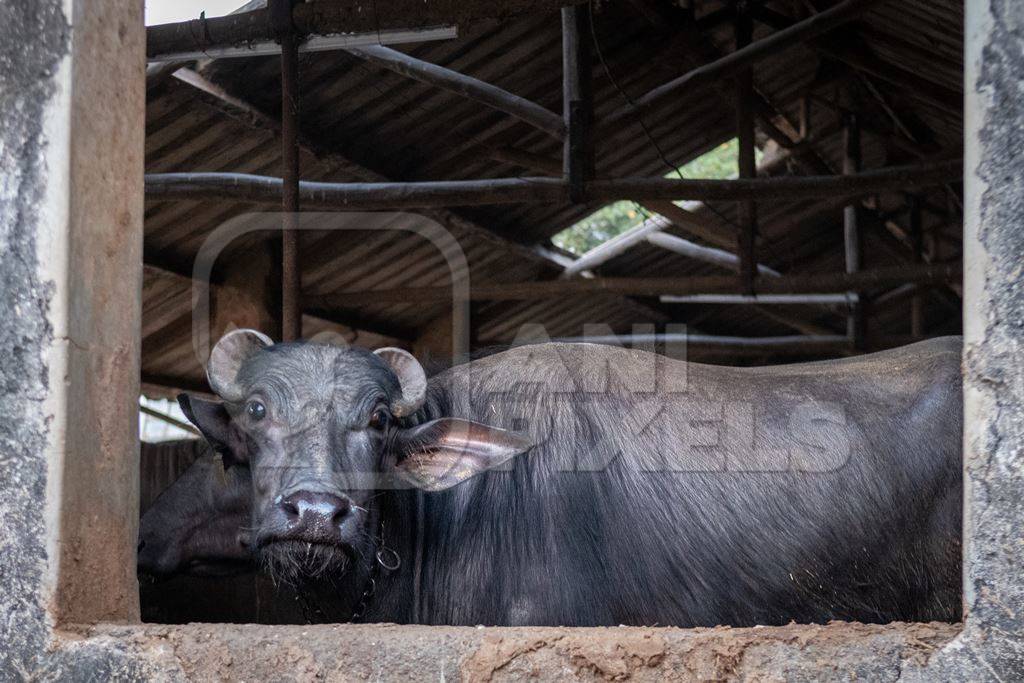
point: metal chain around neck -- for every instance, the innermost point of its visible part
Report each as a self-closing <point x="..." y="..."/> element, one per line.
<point x="385" y="558"/>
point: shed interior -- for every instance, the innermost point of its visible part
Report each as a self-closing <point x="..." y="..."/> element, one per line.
<point x="883" y="89"/>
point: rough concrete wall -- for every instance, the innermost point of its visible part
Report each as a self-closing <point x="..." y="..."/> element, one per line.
<point x="838" y="652"/>
<point x="993" y="642"/>
<point x="29" y="87"/>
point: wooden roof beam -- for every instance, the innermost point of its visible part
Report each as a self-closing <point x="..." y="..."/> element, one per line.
<point x="495" y="191"/>
<point x="654" y="287"/>
<point x="327" y="18"/>
<point x="735" y="62"/>
<point x="680" y="28"/>
<point x="216" y="97"/>
<point x="466" y="86"/>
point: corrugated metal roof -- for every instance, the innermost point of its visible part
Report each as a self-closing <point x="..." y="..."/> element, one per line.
<point x="405" y="130"/>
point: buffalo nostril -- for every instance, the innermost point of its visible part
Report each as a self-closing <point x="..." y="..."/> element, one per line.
<point x="289" y="506"/>
<point x="316" y="515"/>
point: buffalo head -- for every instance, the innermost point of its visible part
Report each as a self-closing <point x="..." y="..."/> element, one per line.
<point x="197" y="524"/>
<point x="324" y="429"/>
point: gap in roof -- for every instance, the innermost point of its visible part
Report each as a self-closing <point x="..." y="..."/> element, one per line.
<point x="167" y="11"/>
<point x="609" y="221"/>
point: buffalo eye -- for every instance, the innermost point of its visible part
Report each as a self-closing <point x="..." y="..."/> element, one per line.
<point x="379" y="419"/>
<point x="256" y="410"/>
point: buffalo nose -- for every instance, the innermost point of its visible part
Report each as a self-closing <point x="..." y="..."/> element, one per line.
<point x="315" y="516"/>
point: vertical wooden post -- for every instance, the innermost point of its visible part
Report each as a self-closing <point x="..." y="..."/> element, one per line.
<point x="746" y="161"/>
<point x="851" y="230"/>
<point x="577" y="105"/>
<point x="291" y="277"/>
<point x="917" y="237"/>
<point x="805" y="117"/>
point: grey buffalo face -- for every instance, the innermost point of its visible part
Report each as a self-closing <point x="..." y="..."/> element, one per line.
<point x="323" y="430"/>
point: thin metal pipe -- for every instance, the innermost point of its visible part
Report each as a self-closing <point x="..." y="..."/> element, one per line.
<point x="844" y="299"/>
<point x="291" y="275"/>
<point x="851" y="230"/>
<point x="745" y="159"/>
<point x="174" y="422"/>
<point x="714" y="340"/>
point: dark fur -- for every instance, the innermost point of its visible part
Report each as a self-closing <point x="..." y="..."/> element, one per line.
<point x="875" y="539"/>
<point x="194" y="525"/>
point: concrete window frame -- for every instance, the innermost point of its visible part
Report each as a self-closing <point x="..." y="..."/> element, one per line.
<point x="71" y="225"/>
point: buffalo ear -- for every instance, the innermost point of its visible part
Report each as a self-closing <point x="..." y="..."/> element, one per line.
<point x="212" y="419"/>
<point x="228" y="356"/>
<point x="440" y="454"/>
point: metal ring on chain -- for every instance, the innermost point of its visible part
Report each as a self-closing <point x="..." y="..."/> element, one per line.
<point x="389" y="559"/>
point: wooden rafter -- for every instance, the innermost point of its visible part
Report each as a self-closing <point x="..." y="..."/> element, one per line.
<point x="466" y="86"/>
<point x="432" y="194"/>
<point x="215" y="97"/>
<point x="327" y="18"/>
<point x="522" y="291"/>
<point x="733" y="63"/>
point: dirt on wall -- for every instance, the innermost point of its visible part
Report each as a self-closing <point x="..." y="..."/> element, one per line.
<point x="838" y="651"/>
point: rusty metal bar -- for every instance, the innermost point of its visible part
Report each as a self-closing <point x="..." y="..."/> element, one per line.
<point x="747" y="166"/>
<point x="168" y="419"/>
<point x="291" y="276"/>
<point x="851" y="230"/>
<point x="577" y="104"/>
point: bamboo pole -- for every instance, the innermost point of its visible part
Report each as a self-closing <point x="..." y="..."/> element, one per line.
<point x="653" y="287"/>
<point x="363" y="196"/>
<point x="466" y="86"/>
<point x="331" y="18"/>
<point x="851" y="230"/>
<point x="745" y="161"/>
<point x="291" y="274"/>
<point x="577" y="102"/>
<point x="822" y="341"/>
<point x="174" y="422"/>
<point x="736" y="61"/>
<point x="763" y="299"/>
<point x="699" y="252"/>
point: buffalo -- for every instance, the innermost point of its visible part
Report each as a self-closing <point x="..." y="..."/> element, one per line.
<point x="196" y="526"/>
<point x="576" y="484"/>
